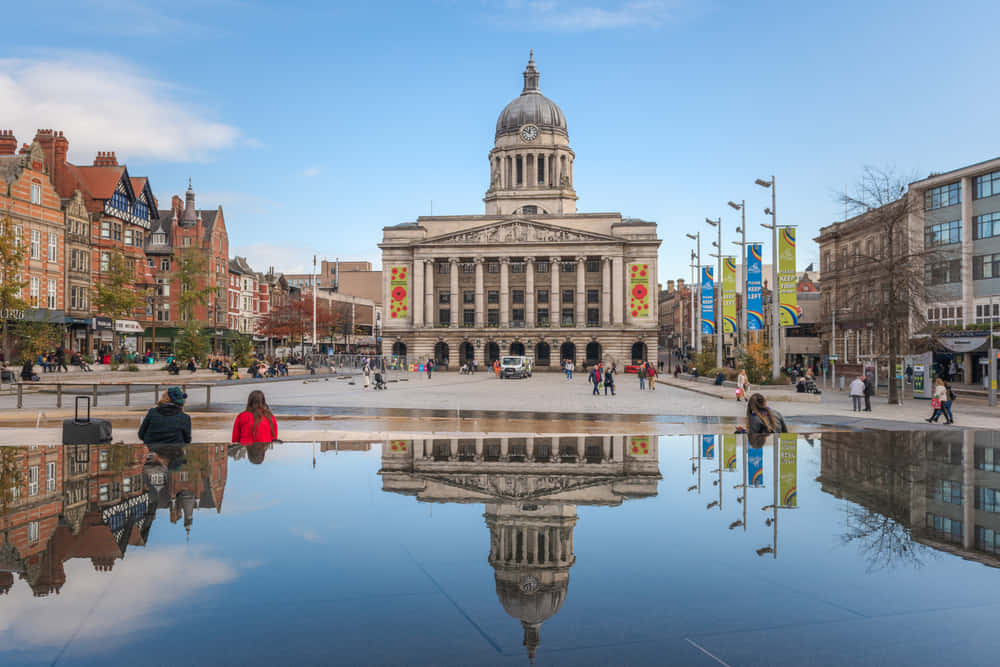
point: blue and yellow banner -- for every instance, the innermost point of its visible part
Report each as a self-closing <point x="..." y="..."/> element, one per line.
<point x="788" y="470"/>
<point x="708" y="446"/>
<point x="707" y="300"/>
<point x="754" y="289"/>
<point x="729" y="452"/>
<point x="755" y="466"/>
<point x="787" y="280"/>
<point x="729" y="295"/>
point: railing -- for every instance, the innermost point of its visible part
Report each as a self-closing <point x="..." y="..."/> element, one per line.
<point x="127" y="386"/>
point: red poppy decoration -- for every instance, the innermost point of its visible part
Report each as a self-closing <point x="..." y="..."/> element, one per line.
<point x="639" y="292"/>
<point x="399" y="293"/>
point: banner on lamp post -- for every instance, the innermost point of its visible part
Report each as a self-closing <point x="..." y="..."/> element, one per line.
<point x="729" y="452"/>
<point x="707" y="300"/>
<point x="788" y="470"/>
<point x="754" y="288"/>
<point x="729" y="295"/>
<point x="708" y="446"/>
<point x="755" y="466"/>
<point x="788" y="299"/>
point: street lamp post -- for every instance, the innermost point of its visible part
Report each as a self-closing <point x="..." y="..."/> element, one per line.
<point x="695" y="326"/>
<point x="718" y="281"/>
<point x="742" y="243"/>
<point x="775" y="311"/>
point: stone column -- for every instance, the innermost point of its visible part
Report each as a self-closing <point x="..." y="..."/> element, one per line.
<point x="606" y="291"/>
<point x="617" y="290"/>
<point x="504" y="292"/>
<point x="529" y="292"/>
<point x="618" y="448"/>
<point x="429" y="316"/>
<point x="480" y="301"/>
<point x="454" y="302"/>
<point x="555" y="299"/>
<point x="968" y="292"/>
<point x="417" y="293"/>
<point x="529" y="448"/>
<point x="504" y="442"/>
<point x="605" y="448"/>
<point x="479" y="449"/>
<point x="581" y="292"/>
<point x="968" y="474"/>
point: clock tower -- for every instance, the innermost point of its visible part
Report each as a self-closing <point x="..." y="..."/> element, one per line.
<point x="531" y="164"/>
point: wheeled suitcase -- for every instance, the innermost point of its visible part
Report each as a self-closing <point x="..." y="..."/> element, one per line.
<point x="86" y="431"/>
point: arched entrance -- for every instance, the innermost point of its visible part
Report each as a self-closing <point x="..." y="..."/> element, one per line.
<point x="593" y="352"/>
<point x="567" y="351"/>
<point x="466" y="353"/>
<point x="399" y="349"/>
<point x="492" y="353"/>
<point x="542" y="354"/>
<point x="517" y="349"/>
<point x="441" y="354"/>
<point x="638" y="352"/>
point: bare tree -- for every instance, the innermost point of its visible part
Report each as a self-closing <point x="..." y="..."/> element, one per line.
<point x="887" y="274"/>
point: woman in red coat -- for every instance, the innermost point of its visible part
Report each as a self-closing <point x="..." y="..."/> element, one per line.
<point x="256" y="423"/>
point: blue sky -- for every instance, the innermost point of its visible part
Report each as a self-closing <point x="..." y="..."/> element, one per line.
<point x="315" y="124"/>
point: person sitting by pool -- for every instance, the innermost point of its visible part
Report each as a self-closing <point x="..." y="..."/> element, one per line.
<point x="256" y="423"/>
<point x="166" y="423"/>
<point x="720" y="378"/>
<point x="762" y="419"/>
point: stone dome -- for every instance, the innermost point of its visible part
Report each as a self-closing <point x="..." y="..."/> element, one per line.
<point x="531" y="107"/>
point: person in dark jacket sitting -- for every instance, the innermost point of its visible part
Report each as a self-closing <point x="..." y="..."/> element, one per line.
<point x="166" y="423"/>
<point x="28" y="371"/>
<point x="762" y="419"/>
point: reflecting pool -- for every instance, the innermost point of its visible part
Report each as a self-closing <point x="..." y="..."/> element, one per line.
<point x="838" y="548"/>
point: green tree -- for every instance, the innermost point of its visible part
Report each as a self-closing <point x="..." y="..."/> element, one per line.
<point x="192" y="342"/>
<point x="115" y="294"/>
<point x="36" y="338"/>
<point x="242" y="348"/>
<point x="756" y="360"/>
<point x="190" y="279"/>
<point x="12" y="255"/>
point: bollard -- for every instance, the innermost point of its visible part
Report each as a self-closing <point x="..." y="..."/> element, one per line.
<point x="128" y="394"/>
<point x="208" y="395"/>
<point x="95" y="394"/>
<point x="59" y="394"/>
<point x="156" y="392"/>
<point x="20" y="395"/>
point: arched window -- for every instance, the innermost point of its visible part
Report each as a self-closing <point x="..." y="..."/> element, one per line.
<point x="529" y="210"/>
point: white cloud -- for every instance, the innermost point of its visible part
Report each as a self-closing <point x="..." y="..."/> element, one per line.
<point x="575" y="17"/>
<point x="284" y="259"/>
<point x="310" y="171"/>
<point x="104" y="103"/>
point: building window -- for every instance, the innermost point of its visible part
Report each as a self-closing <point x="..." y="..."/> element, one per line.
<point x="33" y="531"/>
<point x="593" y="317"/>
<point x="105" y="261"/>
<point x="36" y="244"/>
<point x="493" y="267"/>
<point x="469" y="318"/>
<point x="948" y="529"/>
<point x="53" y="247"/>
<point x="988" y="185"/>
<point x="988" y="539"/>
<point x="517" y="267"/>
<point x="164" y="264"/>
<point x="52" y="294"/>
<point x="985" y="267"/>
<point x="593" y="265"/>
<point x="944" y="233"/>
<point x="567" y="316"/>
<point x="492" y="296"/>
<point x="541" y="267"/>
<point x="983" y="315"/>
<point x="33" y="481"/>
<point x="35" y="287"/>
<point x="542" y="296"/>
<point x="444" y="297"/>
<point x="105" y="229"/>
<point x="988" y="459"/>
<point x="186" y="242"/>
<point x="129" y="237"/>
<point x="444" y="316"/>
<point x="468" y="267"/>
<point x="945" y="195"/>
<point x="529" y="209"/>
<point x="517" y="315"/>
<point x="569" y="267"/>
<point x="593" y="296"/>
<point x="543" y="317"/>
<point x="945" y="491"/>
<point x="50" y="476"/>
<point x="117" y="228"/>
<point x="567" y="296"/>
<point x="468" y="297"/>
<point x="444" y="268"/>
<point x="987" y="225"/>
<point x="493" y="318"/>
<point x="987" y="500"/>
<point x="517" y="296"/>
<point x="36" y="193"/>
<point x="942" y="273"/>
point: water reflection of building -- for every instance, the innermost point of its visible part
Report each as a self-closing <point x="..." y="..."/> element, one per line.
<point x="943" y="486"/>
<point x="530" y="487"/>
<point x="87" y="501"/>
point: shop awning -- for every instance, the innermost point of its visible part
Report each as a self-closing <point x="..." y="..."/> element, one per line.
<point x="128" y="326"/>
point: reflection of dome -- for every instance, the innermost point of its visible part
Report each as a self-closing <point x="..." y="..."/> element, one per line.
<point x="531" y="107"/>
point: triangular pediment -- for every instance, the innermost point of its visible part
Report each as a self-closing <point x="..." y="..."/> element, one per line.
<point x="502" y="487"/>
<point x="518" y="230"/>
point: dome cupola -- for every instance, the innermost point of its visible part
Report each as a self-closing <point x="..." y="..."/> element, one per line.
<point x="531" y="107"/>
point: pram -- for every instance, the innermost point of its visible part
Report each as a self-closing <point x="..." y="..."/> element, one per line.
<point x="379" y="381"/>
<point x="806" y="385"/>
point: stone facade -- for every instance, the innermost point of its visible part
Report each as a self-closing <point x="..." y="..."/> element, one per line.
<point x="532" y="276"/>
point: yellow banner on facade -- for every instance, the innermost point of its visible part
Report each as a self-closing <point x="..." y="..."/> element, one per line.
<point x="399" y="446"/>
<point x="639" y="290"/>
<point x="399" y="292"/>
<point x="787" y="279"/>
<point x="729" y="452"/>
<point x="729" y="295"/>
<point x="639" y="445"/>
<point x="788" y="470"/>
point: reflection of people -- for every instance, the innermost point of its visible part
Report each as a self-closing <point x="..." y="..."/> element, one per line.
<point x="166" y="423"/>
<point x="256" y="452"/>
<point x="762" y="419"/>
<point x="256" y="423"/>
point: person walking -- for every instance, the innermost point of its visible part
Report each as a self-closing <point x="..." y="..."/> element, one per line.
<point x="366" y="371"/>
<point x="761" y="418"/>
<point x="869" y="392"/>
<point x="651" y="376"/>
<point x="857" y="390"/>
<point x="642" y="376"/>
<point x="609" y="379"/>
<point x="166" y="423"/>
<point x="742" y="386"/>
<point x="570" y="367"/>
<point x="256" y="423"/>
<point x="595" y="378"/>
<point x="429" y="367"/>
<point x="938" y="400"/>
<point x="61" y="360"/>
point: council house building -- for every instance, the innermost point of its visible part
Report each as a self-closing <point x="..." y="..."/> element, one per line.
<point x="531" y="276"/>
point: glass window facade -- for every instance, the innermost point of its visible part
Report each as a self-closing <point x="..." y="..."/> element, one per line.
<point x="987" y="225"/>
<point x="987" y="500"/>
<point x="945" y="195"/>
<point x="945" y="528"/>
<point x="944" y="233"/>
<point x="987" y="185"/>
<point x="945" y="491"/>
<point x="942" y="273"/>
<point x="985" y="267"/>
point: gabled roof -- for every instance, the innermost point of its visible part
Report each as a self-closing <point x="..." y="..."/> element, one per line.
<point x="100" y="182"/>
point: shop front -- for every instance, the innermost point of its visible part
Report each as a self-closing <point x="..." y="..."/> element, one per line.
<point x="161" y="341"/>
<point x="102" y="339"/>
<point x="78" y="333"/>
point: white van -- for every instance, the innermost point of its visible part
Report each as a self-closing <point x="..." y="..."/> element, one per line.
<point x="515" y="367"/>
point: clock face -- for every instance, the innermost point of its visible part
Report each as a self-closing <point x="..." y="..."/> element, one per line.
<point x="529" y="132"/>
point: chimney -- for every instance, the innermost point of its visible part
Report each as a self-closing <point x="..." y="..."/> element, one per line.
<point x="176" y="205"/>
<point x="55" y="146"/>
<point x="8" y="142"/>
<point x="105" y="159"/>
